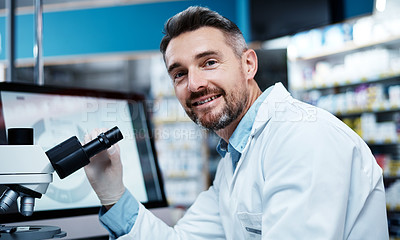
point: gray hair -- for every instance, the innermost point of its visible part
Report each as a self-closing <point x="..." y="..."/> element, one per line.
<point x="196" y="17"/>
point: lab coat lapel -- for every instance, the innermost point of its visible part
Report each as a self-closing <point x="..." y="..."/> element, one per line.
<point x="265" y="112"/>
<point x="228" y="168"/>
<point x="239" y="164"/>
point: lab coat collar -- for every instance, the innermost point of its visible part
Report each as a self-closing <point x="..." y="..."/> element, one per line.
<point x="270" y="107"/>
<point x="266" y="110"/>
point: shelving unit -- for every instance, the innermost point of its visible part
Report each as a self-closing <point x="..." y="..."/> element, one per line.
<point x="360" y="84"/>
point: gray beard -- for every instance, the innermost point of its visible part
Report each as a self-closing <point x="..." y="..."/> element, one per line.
<point x="229" y="114"/>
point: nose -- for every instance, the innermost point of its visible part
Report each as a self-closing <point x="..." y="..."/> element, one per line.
<point x="196" y="81"/>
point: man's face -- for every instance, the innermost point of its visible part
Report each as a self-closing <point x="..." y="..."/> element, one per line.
<point x="208" y="77"/>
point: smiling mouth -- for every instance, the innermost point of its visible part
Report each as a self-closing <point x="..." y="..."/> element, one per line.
<point x="206" y="100"/>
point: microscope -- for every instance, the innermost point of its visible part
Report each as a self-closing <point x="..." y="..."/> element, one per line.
<point x="26" y="170"/>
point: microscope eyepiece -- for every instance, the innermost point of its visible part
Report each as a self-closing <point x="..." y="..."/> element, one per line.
<point x="69" y="156"/>
<point x="102" y="142"/>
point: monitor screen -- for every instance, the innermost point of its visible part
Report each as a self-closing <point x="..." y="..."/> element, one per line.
<point x="57" y="114"/>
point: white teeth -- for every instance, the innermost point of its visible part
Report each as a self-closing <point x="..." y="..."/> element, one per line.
<point x="207" y="100"/>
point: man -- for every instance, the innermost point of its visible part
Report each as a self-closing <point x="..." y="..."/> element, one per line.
<point x="288" y="170"/>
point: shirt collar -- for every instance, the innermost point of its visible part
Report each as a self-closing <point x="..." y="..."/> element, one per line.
<point x="239" y="138"/>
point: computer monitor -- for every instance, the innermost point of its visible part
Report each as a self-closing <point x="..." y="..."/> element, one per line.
<point x="57" y="114"/>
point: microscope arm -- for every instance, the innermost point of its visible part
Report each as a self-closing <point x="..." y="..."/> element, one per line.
<point x="27" y="173"/>
<point x="25" y="165"/>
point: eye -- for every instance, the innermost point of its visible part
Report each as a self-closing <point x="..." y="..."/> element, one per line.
<point x="178" y="76"/>
<point x="210" y="63"/>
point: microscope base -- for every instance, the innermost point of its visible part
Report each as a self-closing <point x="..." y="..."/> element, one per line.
<point x="30" y="232"/>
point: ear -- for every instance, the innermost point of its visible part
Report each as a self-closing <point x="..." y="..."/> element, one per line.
<point x="250" y="63"/>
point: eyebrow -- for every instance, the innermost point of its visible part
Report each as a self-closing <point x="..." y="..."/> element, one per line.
<point x="198" y="56"/>
<point x="206" y="53"/>
<point x="172" y="67"/>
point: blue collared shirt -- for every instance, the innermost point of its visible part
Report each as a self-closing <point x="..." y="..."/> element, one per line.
<point x="120" y="219"/>
<point x="238" y="140"/>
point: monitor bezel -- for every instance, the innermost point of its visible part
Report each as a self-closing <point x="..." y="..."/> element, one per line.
<point x="73" y="91"/>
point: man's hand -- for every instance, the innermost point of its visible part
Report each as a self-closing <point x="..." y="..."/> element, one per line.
<point x="105" y="173"/>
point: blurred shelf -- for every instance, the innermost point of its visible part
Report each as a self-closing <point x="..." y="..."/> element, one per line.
<point x="393" y="207"/>
<point x="348" y="47"/>
<point x="391" y="177"/>
<point x="83" y="58"/>
<point x="383" y="77"/>
<point x="384" y="142"/>
<point x="26" y="6"/>
<point x="180" y="175"/>
<point x="357" y="112"/>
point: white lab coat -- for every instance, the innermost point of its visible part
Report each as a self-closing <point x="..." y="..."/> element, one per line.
<point x="303" y="175"/>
